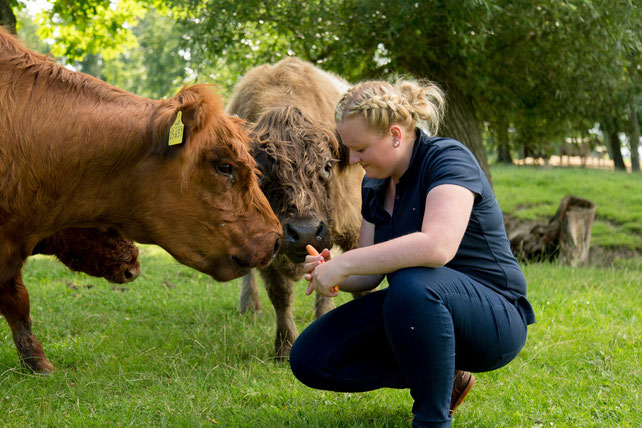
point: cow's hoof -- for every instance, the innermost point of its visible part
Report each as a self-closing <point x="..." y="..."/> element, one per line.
<point x="282" y="353"/>
<point x="251" y="309"/>
<point x="40" y="366"/>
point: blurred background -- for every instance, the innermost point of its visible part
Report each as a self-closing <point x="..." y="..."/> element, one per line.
<point x="550" y="82"/>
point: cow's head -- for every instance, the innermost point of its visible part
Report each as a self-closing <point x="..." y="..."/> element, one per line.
<point x="298" y="159"/>
<point x="97" y="252"/>
<point x="200" y="199"/>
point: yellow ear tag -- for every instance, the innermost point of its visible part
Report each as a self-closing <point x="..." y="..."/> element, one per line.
<point x="176" y="131"/>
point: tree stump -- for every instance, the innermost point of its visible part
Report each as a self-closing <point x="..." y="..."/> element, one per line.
<point x="575" y="233"/>
<point x="566" y="236"/>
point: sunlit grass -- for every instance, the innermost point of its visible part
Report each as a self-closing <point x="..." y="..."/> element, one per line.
<point x="171" y="350"/>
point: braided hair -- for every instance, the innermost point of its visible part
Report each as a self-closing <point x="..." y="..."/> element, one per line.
<point x="405" y="102"/>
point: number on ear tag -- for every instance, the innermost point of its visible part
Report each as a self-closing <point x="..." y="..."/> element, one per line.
<point x="176" y="131"/>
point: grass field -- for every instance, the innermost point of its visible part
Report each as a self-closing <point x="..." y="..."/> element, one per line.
<point x="171" y="349"/>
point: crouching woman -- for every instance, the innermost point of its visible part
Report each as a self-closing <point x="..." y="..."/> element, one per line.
<point x="456" y="300"/>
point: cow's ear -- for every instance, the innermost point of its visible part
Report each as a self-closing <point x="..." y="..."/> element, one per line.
<point x="198" y="104"/>
<point x="186" y="114"/>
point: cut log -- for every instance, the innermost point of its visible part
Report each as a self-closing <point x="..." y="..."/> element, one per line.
<point x="567" y="235"/>
<point x="575" y="233"/>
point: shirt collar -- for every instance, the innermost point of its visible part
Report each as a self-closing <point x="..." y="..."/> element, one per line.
<point x="420" y="138"/>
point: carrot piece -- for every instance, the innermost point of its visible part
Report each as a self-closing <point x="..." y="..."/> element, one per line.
<point x="313" y="252"/>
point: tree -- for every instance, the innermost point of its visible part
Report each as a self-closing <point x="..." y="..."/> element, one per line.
<point x="634" y="138"/>
<point x="155" y="68"/>
<point x="505" y="62"/>
<point x="7" y="17"/>
<point x="357" y="39"/>
<point x="537" y="69"/>
<point x="148" y="62"/>
<point x="85" y="27"/>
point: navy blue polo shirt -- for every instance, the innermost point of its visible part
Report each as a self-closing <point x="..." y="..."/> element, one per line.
<point x="484" y="253"/>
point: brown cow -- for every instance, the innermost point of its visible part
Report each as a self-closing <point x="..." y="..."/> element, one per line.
<point x="305" y="175"/>
<point x="77" y="152"/>
<point x="94" y="252"/>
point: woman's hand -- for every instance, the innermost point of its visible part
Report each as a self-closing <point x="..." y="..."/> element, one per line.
<point x="325" y="277"/>
<point x="312" y="262"/>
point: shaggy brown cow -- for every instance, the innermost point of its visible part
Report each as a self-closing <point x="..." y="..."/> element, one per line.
<point x="305" y="175"/>
<point x="77" y="152"/>
<point x="95" y="252"/>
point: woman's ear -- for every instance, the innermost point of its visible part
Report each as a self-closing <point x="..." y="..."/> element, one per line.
<point x="396" y="132"/>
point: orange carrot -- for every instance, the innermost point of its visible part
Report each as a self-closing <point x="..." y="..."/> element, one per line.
<point x="313" y="252"/>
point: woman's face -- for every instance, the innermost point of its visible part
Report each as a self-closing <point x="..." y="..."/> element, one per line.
<point x="374" y="152"/>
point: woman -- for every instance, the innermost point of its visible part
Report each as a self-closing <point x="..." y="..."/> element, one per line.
<point x="456" y="299"/>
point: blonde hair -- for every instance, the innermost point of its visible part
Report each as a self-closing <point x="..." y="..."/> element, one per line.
<point x="406" y="102"/>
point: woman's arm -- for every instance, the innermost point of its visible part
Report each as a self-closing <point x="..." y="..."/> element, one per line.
<point x="446" y="217"/>
<point x="355" y="283"/>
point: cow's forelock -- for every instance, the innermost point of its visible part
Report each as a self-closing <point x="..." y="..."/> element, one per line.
<point x="293" y="166"/>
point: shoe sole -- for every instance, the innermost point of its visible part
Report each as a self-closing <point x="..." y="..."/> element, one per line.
<point x="464" y="393"/>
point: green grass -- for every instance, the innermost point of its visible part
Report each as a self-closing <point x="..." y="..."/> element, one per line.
<point x="534" y="193"/>
<point x="171" y="349"/>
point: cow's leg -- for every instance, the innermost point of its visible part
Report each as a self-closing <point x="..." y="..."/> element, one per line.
<point x="281" y="292"/>
<point x="249" y="299"/>
<point x="14" y="306"/>
<point x="322" y="304"/>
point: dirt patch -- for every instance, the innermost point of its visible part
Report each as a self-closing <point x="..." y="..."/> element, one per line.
<point x="601" y="256"/>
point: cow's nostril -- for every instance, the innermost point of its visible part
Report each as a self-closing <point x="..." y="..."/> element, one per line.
<point x="128" y="275"/>
<point x="321" y="231"/>
<point x="291" y="232"/>
<point x="277" y="245"/>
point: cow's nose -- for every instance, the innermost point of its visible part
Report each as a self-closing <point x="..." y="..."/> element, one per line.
<point x="131" y="273"/>
<point x="306" y="232"/>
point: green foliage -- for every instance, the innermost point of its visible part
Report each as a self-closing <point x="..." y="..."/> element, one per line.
<point x="90" y="27"/>
<point x="27" y="32"/>
<point x="546" y="68"/>
<point x="155" y="68"/>
<point x="542" y="69"/>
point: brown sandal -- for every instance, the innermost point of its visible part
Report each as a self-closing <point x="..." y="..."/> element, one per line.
<point x="461" y="387"/>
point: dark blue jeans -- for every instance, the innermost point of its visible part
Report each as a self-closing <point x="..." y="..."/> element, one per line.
<point x="412" y="334"/>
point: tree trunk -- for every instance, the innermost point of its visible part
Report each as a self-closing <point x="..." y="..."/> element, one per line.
<point x="575" y="231"/>
<point x="634" y="139"/>
<point x="612" y="138"/>
<point x="567" y="236"/>
<point x="7" y="18"/>
<point x="461" y="124"/>
<point x="503" y="147"/>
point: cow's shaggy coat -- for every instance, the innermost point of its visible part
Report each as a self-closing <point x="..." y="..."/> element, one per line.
<point x="305" y="176"/>
<point x="77" y="152"/>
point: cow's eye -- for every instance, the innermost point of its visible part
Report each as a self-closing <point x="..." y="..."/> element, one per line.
<point x="225" y="169"/>
<point x="328" y="169"/>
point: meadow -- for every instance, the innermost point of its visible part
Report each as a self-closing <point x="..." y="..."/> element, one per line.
<point x="171" y="349"/>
